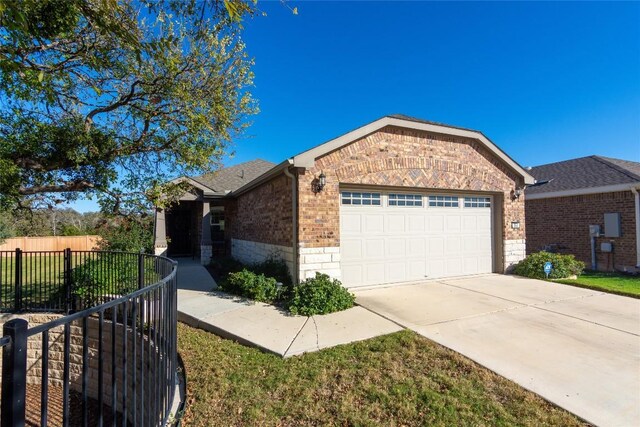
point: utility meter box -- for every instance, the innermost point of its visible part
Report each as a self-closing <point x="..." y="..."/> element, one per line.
<point x="606" y="247"/>
<point x="612" y="224"/>
<point x="594" y="230"/>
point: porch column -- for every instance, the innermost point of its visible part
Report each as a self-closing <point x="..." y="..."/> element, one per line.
<point x="205" y="240"/>
<point x="160" y="233"/>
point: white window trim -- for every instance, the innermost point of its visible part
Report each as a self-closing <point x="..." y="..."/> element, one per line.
<point x="428" y="204"/>
<point x="396" y="193"/>
<point x="487" y="198"/>
<point x="380" y="198"/>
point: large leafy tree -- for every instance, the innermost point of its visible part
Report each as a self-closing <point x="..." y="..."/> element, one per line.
<point x="109" y="98"/>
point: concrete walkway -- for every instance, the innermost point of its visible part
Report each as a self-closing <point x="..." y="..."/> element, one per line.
<point x="578" y="348"/>
<point x="265" y="326"/>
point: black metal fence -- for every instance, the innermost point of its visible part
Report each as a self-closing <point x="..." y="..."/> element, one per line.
<point x="65" y="281"/>
<point x="112" y="362"/>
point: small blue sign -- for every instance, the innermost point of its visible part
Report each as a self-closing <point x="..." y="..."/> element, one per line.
<point x="547" y="268"/>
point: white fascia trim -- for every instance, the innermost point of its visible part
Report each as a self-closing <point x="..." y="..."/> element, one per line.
<point x="583" y="191"/>
<point x="307" y="159"/>
<point x="206" y="191"/>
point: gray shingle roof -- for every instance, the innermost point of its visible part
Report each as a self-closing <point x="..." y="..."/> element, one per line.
<point x="234" y="177"/>
<point x="584" y="172"/>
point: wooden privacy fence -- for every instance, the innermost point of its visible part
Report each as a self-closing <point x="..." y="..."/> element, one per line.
<point x="51" y="243"/>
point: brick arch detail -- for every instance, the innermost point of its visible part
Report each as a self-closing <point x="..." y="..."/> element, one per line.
<point x="420" y="172"/>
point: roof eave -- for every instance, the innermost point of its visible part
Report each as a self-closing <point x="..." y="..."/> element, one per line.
<point x="307" y="158"/>
<point x="206" y="191"/>
<point x="274" y="171"/>
<point x="584" y="191"/>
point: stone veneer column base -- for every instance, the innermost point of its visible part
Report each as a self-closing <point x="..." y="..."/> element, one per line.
<point x="160" y="251"/>
<point x="319" y="260"/>
<point x="205" y="254"/>
<point x="514" y="252"/>
<point x="250" y="252"/>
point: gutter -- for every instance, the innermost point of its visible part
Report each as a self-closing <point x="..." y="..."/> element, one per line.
<point x="294" y="225"/>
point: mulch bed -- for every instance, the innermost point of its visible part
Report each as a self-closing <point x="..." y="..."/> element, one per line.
<point x="54" y="408"/>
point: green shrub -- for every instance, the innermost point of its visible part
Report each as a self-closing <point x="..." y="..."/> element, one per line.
<point x="320" y="295"/>
<point x="563" y="266"/>
<point x="107" y="274"/>
<point x="273" y="267"/>
<point x="251" y="285"/>
<point x="225" y="265"/>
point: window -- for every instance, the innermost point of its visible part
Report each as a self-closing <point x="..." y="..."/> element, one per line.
<point x="217" y="218"/>
<point x="477" y="202"/>
<point x="405" y="200"/>
<point x="358" y="198"/>
<point x="443" y="201"/>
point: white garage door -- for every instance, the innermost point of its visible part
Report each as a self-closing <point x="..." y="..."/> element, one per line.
<point x="389" y="237"/>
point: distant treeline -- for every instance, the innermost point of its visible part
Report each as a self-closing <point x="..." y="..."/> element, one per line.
<point x="130" y="233"/>
<point x="49" y="222"/>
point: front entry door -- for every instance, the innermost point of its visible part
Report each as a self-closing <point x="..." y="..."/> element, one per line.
<point x="180" y="233"/>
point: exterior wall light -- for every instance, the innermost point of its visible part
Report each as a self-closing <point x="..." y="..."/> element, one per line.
<point x="320" y="182"/>
<point x="515" y="225"/>
<point x="517" y="193"/>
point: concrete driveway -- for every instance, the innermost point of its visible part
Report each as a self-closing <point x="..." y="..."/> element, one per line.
<point x="577" y="348"/>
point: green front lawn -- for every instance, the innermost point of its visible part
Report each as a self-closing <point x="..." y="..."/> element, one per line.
<point x="398" y="379"/>
<point x="608" y="282"/>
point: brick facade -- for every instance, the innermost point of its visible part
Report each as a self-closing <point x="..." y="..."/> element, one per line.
<point x="56" y="358"/>
<point x="564" y="222"/>
<point x="406" y="158"/>
<point x="264" y="213"/>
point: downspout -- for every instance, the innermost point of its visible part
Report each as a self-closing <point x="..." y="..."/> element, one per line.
<point x="634" y="190"/>
<point x="294" y="225"/>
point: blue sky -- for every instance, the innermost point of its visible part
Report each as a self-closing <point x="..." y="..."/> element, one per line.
<point x="545" y="81"/>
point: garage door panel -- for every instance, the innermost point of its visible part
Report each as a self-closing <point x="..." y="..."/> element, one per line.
<point x="484" y="244"/>
<point x="389" y="244"/>
<point x="469" y="224"/>
<point x="373" y="224"/>
<point x="352" y="275"/>
<point x="395" y="223"/>
<point x="396" y="248"/>
<point x="417" y="247"/>
<point x="350" y="223"/>
<point x="436" y="268"/>
<point x="416" y="224"/>
<point x="470" y="265"/>
<point x="453" y="245"/>
<point x="453" y="266"/>
<point x="374" y="248"/>
<point x="417" y="269"/>
<point x="484" y="264"/>
<point x="469" y="244"/>
<point x="453" y="223"/>
<point x="396" y="271"/>
<point x="436" y="246"/>
<point x="484" y="221"/>
<point x="436" y="223"/>
<point x="352" y="247"/>
<point x="374" y="272"/>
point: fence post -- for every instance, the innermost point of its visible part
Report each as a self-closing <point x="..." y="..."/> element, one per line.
<point x="141" y="269"/>
<point x="14" y="374"/>
<point x="66" y="265"/>
<point x="17" y="304"/>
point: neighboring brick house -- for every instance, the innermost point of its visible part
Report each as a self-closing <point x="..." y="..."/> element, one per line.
<point x="579" y="193"/>
<point x="397" y="200"/>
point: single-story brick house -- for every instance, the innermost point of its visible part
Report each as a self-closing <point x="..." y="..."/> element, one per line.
<point x="592" y="190"/>
<point x="396" y="200"/>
